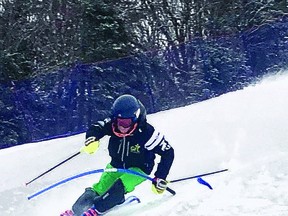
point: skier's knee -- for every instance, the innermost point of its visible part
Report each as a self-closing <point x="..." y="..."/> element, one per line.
<point x="114" y="196"/>
<point x="84" y="202"/>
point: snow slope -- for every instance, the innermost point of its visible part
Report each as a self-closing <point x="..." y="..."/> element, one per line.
<point x="245" y="131"/>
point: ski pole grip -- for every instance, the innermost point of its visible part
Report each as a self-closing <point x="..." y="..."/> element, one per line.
<point x="171" y="191"/>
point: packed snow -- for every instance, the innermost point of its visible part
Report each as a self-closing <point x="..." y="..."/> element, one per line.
<point x="244" y="131"/>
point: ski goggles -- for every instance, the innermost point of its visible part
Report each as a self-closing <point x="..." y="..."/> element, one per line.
<point x="123" y="127"/>
<point x="124" y="122"/>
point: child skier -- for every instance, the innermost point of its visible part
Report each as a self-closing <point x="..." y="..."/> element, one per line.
<point x="132" y="145"/>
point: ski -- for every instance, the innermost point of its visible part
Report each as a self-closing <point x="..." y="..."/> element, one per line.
<point x="128" y="200"/>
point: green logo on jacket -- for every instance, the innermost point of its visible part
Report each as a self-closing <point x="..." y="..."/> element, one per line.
<point x="135" y="149"/>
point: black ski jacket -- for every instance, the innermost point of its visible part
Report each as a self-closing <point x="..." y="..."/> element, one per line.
<point x="137" y="149"/>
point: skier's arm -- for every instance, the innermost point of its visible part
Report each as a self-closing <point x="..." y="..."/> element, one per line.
<point x="94" y="134"/>
<point x="100" y="129"/>
<point x="167" y="156"/>
<point x="166" y="152"/>
<point x="159" y="145"/>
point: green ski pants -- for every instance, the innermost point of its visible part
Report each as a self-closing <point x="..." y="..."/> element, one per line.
<point x="129" y="181"/>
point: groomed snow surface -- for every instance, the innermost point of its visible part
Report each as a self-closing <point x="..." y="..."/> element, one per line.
<point x="245" y="131"/>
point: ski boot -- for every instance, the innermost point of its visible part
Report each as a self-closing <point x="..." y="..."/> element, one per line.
<point x="90" y="212"/>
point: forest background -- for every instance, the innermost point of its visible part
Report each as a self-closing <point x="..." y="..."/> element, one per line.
<point x="63" y="62"/>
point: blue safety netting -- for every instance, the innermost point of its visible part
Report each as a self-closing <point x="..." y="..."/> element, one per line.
<point x="67" y="101"/>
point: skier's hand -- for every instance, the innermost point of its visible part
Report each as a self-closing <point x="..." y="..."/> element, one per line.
<point x="159" y="185"/>
<point x="91" y="145"/>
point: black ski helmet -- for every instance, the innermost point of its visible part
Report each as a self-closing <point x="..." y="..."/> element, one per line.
<point x="127" y="114"/>
<point x="127" y="106"/>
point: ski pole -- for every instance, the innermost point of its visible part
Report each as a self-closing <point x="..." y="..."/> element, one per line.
<point x="69" y="158"/>
<point x="94" y="172"/>
<point x="198" y="176"/>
